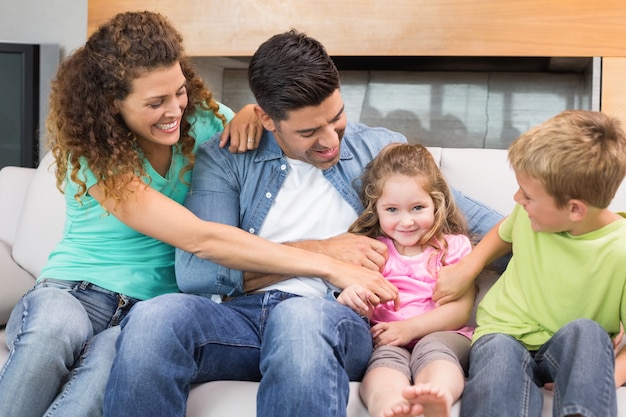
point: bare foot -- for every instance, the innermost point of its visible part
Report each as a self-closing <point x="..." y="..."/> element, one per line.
<point x="427" y="399"/>
<point x="404" y="409"/>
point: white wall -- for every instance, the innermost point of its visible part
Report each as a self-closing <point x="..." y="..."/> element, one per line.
<point x="61" y="24"/>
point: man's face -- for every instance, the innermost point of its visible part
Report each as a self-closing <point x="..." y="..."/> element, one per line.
<point x="312" y="134"/>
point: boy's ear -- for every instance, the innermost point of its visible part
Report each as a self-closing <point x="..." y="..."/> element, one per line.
<point x="577" y="210"/>
<point x="265" y="119"/>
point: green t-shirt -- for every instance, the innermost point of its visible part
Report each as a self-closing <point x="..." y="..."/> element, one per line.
<point x="554" y="278"/>
<point x="98" y="248"/>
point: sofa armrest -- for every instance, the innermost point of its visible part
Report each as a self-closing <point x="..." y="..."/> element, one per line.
<point x="14" y="282"/>
<point x="14" y="183"/>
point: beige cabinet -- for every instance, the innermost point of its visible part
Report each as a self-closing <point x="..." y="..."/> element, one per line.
<point x="463" y="28"/>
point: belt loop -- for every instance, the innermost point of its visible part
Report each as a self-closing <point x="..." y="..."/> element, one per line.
<point x="121" y="301"/>
<point x="83" y="285"/>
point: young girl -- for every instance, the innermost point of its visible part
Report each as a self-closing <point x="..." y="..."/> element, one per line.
<point x="408" y="205"/>
<point x="127" y="114"/>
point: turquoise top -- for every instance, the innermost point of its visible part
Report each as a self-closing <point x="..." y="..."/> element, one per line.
<point x="98" y="248"/>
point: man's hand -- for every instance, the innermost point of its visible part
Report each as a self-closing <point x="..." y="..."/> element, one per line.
<point x="380" y="289"/>
<point x="360" y="260"/>
<point x="355" y="249"/>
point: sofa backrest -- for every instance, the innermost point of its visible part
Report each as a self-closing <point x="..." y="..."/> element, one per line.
<point x="486" y="175"/>
<point x="41" y="222"/>
<point x="483" y="174"/>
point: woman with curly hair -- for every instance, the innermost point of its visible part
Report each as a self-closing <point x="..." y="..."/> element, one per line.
<point x="127" y="113"/>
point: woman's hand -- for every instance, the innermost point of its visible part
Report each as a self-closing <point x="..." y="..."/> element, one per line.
<point x="244" y="131"/>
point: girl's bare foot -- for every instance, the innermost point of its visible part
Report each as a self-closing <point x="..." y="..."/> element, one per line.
<point x="427" y="399"/>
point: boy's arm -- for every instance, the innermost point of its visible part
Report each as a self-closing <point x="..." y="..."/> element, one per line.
<point x="454" y="280"/>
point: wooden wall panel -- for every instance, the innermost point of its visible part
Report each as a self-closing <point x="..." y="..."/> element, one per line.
<point x="394" y="27"/>
<point x="613" y="99"/>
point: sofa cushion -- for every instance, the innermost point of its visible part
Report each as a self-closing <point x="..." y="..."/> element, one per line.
<point x="619" y="201"/>
<point x="39" y="230"/>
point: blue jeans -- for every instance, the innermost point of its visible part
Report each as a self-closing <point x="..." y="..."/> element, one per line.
<point x="505" y="378"/>
<point x="303" y="350"/>
<point x="56" y="366"/>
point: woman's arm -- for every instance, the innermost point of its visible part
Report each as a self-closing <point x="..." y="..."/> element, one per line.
<point x="244" y="131"/>
<point x="151" y="213"/>
<point x="347" y="247"/>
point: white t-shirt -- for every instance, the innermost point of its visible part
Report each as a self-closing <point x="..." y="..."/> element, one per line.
<point x="318" y="213"/>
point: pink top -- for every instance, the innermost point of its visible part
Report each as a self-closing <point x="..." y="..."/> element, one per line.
<point x="416" y="282"/>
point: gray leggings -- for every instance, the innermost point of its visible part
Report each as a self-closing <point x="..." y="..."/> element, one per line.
<point x="445" y="345"/>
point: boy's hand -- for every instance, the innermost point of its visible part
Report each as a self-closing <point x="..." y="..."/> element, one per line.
<point x="451" y="284"/>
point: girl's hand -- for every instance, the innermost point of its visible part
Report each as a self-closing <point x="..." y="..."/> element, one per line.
<point x="617" y="340"/>
<point x="244" y="131"/>
<point x="395" y="333"/>
<point x="358" y="299"/>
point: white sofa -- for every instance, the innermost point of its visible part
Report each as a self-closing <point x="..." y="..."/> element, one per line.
<point x="31" y="222"/>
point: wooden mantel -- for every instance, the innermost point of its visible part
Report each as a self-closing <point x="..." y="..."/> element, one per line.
<point x="549" y="28"/>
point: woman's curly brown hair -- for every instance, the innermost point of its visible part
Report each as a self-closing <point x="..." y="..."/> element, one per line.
<point x="82" y="121"/>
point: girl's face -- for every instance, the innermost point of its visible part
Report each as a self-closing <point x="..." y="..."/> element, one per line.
<point x="155" y="106"/>
<point x="406" y="212"/>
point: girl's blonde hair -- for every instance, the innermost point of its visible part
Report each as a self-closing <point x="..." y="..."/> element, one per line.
<point x="82" y="121"/>
<point x="411" y="161"/>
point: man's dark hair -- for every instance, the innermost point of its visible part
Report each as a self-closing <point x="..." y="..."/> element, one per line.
<point x="290" y="71"/>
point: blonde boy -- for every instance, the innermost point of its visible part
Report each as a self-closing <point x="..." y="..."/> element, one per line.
<point x="551" y="315"/>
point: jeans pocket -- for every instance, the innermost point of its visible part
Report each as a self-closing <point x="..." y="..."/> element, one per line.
<point x="55" y="283"/>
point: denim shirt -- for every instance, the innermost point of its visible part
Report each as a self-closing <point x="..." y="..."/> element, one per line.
<point x="239" y="190"/>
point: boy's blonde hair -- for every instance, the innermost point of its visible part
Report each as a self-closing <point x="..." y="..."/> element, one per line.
<point x="577" y="154"/>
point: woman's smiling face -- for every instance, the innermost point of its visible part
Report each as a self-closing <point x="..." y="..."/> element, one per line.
<point x="154" y="108"/>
